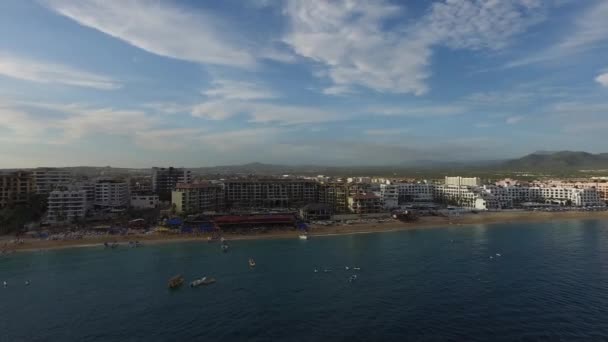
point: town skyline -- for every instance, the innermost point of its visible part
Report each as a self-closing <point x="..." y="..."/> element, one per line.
<point x="137" y="83"/>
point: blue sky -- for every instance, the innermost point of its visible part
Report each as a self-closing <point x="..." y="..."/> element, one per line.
<point x="345" y="82"/>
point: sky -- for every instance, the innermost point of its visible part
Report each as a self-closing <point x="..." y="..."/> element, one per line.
<point x="138" y="83"/>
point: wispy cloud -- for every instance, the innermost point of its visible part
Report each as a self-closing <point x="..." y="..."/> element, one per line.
<point x="512" y="120"/>
<point x="238" y="90"/>
<point x="419" y="111"/>
<point x="44" y="72"/>
<point x="590" y="30"/>
<point x="347" y="38"/>
<point x="161" y="28"/>
<point x="230" y="98"/>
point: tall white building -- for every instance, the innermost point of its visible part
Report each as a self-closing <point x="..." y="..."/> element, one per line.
<point x="111" y="194"/>
<point x="462" y="181"/>
<point x="66" y="206"/>
<point x="47" y="179"/>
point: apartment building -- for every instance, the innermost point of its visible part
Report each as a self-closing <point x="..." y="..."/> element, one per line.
<point x="164" y="180"/>
<point x="270" y="192"/>
<point x="335" y="195"/>
<point x="462" y="181"/>
<point x="144" y="201"/>
<point x="111" y="194"/>
<point x="15" y="187"/>
<point x="66" y="206"/>
<point x="198" y="197"/>
<point x="365" y="204"/>
<point x="47" y="179"/>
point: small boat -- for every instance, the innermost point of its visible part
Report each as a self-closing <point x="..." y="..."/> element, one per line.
<point x="357" y="268"/>
<point x="176" y="282"/>
<point x="251" y="262"/>
<point x="225" y="247"/>
<point x="352" y="278"/>
<point x="303" y="236"/>
<point x="346" y="268"/>
<point x="316" y="270"/>
<point x="202" y="281"/>
<point x="498" y="254"/>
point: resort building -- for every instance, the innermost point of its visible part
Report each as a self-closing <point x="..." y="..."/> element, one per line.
<point x="316" y="211"/>
<point x="15" y="187"/>
<point x="111" y="194"/>
<point x="365" y="204"/>
<point x="164" y="180"/>
<point x="144" y="201"/>
<point x="47" y="179"/>
<point x="198" y="197"/>
<point x="335" y="195"/>
<point x="270" y="193"/>
<point x="66" y="206"/>
<point x="462" y="181"/>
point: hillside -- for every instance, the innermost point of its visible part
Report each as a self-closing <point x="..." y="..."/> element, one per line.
<point x="557" y="161"/>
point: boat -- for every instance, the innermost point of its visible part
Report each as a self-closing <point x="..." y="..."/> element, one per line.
<point x="251" y="262"/>
<point x="303" y="236"/>
<point x="202" y="281"/>
<point x="176" y="282"/>
<point x="225" y="247"/>
<point x="352" y="278"/>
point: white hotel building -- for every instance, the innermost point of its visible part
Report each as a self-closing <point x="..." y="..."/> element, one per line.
<point x="111" y="194"/>
<point x="66" y="206"/>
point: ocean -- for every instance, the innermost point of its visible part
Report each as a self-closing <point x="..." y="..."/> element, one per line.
<point x="501" y="282"/>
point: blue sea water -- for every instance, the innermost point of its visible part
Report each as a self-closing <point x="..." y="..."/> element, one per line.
<point x="550" y="283"/>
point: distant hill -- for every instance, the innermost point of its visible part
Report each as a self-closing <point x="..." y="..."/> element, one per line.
<point x="556" y="161"/>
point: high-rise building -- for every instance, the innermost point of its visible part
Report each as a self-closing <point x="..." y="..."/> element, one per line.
<point x="463" y="181"/>
<point x="47" y="179"/>
<point x="66" y="206"/>
<point x="164" y="180"/>
<point x="270" y="192"/>
<point x="111" y="194"/>
<point x="198" y="197"/>
<point x="15" y="187"/>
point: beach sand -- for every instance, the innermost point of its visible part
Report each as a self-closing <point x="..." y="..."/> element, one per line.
<point x="361" y="228"/>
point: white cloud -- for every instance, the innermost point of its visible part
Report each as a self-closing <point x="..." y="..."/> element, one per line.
<point x="264" y="112"/>
<point x="589" y="31"/>
<point x="238" y="90"/>
<point x="512" y="120"/>
<point x="421" y="111"/>
<point x="241" y="140"/>
<point x="347" y="38"/>
<point x="602" y="79"/>
<point x="591" y="28"/>
<point x="44" y="72"/>
<point x="161" y="28"/>
<point x="167" y="139"/>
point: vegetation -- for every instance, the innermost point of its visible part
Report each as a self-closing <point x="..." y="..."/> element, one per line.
<point x="15" y="216"/>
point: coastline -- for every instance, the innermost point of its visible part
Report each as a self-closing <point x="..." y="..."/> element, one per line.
<point x="31" y="245"/>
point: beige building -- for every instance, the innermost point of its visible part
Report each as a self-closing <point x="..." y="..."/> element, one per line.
<point x="198" y="197"/>
<point x="15" y="187"/>
<point x="365" y="204"/>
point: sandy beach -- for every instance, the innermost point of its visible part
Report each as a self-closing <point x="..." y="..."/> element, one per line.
<point x="30" y="244"/>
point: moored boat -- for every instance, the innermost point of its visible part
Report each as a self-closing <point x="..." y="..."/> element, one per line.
<point x="176" y="282"/>
<point x="202" y="281"/>
<point x="303" y="236"/>
<point x="251" y="262"/>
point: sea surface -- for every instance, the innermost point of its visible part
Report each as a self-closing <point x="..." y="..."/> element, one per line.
<point x="550" y="282"/>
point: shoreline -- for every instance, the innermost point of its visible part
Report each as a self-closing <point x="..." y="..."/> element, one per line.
<point x="427" y="222"/>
